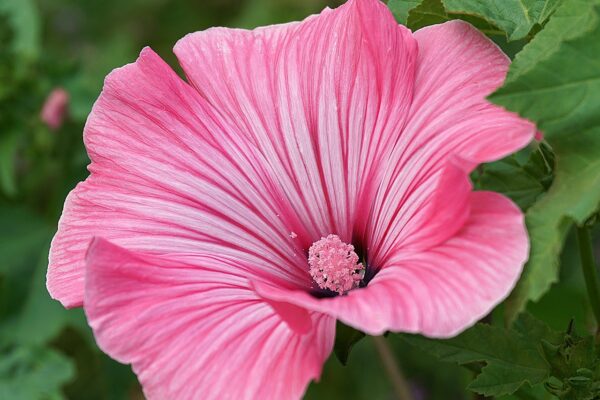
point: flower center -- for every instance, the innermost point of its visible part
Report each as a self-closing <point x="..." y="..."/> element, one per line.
<point x="334" y="265"/>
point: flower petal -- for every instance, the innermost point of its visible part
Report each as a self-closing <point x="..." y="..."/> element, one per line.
<point x="198" y="331"/>
<point x="450" y="120"/>
<point x="324" y="100"/>
<point x="441" y="291"/>
<point x="168" y="176"/>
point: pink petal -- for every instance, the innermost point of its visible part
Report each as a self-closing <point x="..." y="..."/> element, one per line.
<point x="324" y="100"/>
<point x="198" y="332"/>
<point x="451" y="121"/>
<point x="441" y="291"/>
<point x="168" y="176"/>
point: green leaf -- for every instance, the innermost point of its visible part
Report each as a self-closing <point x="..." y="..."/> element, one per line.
<point x="562" y="95"/>
<point x="525" y="362"/>
<point x="401" y="8"/>
<point x="429" y="12"/>
<point x="568" y="22"/>
<point x="28" y="373"/>
<point x="511" y="358"/>
<point x="573" y="196"/>
<point x="528" y="326"/>
<point x="345" y="338"/>
<point x="515" y="18"/>
<point x="523" y="179"/>
<point x="537" y="392"/>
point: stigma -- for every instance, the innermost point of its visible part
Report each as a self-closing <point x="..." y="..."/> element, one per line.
<point x="334" y="265"/>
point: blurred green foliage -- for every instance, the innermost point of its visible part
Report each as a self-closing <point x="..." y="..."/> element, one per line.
<point x="47" y="352"/>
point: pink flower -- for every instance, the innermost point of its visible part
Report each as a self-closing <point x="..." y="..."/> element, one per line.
<point x="55" y="108"/>
<point x="212" y="203"/>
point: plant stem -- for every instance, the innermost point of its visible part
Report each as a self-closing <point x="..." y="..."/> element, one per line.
<point x="399" y="384"/>
<point x="590" y="274"/>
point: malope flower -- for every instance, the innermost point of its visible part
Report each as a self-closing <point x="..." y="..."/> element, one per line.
<point x="307" y="172"/>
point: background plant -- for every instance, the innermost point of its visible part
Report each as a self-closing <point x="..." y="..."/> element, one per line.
<point x="539" y="344"/>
